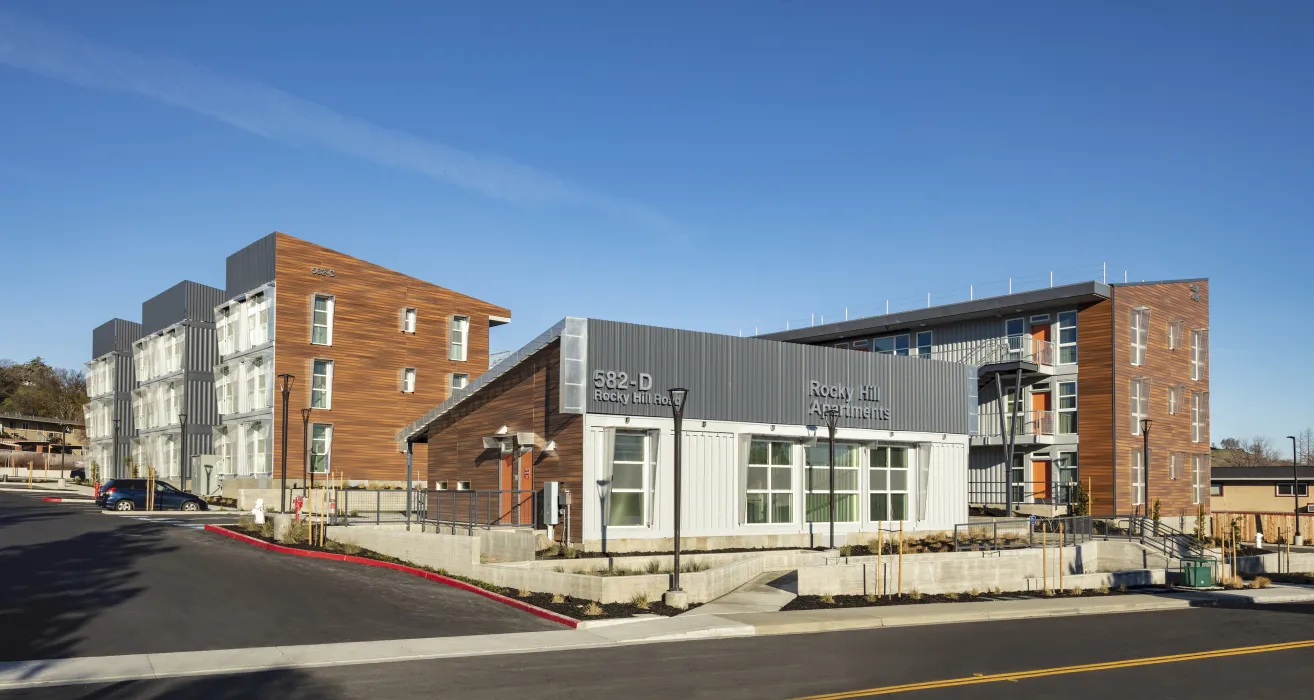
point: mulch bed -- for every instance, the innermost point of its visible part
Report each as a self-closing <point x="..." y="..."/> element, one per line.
<point x="1299" y="578"/>
<point x="813" y="602"/>
<point x="571" y="607"/>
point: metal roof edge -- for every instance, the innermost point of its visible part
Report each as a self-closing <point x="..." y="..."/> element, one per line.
<point x="1153" y="282"/>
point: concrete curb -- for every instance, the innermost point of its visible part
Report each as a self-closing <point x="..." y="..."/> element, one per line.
<point x="437" y="578"/>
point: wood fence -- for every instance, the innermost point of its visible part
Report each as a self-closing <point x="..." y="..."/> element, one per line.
<point x="1272" y="525"/>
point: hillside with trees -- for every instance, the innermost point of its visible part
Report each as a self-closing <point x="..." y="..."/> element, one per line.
<point x="1260" y="451"/>
<point x="34" y="388"/>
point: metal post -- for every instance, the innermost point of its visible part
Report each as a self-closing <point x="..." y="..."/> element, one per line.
<point x="307" y="476"/>
<point x="182" y="450"/>
<point x="63" y="443"/>
<point x="1295" y="489"/>
<point x="832" y="422"/>
<point x="285" y="386"/>
<point x="1008" y="459"/>
<point x="378" y="506"/>
<point x="678" y="397"/>
<point x="410" y="452"/>
<point x="1145" y="462"/>
<point x="114" y="460"/>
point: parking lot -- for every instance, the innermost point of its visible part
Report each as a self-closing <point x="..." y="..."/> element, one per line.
<point x="78" y="582"/>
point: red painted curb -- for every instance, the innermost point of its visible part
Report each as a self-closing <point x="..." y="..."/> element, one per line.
<point x="52" y="499"/>
<point x="436" y="578"/>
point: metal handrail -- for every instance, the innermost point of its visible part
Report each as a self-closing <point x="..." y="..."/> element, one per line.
<point x="1029" y="423"/>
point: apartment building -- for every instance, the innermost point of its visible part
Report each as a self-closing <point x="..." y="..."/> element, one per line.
<point x="173" y="406"/>
<point x="111" y="378"/>
<point x="365" y="350"/>
<point x="37" y="434"/>
<point x="1069" y="379"/>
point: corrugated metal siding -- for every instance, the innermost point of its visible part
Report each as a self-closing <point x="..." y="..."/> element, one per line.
<point x="201" y="300"/>
<point x="184" y="301"/>
<point x="251" y="266"/>
<point x="751" y="380"/>
<point x="201" y="355"/>
<point x="946" y="496"/>
<point x="114" y="335"/>
<point x="709" y="483"/>
<point x="986" y="476"/>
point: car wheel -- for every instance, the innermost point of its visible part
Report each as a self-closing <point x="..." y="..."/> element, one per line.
<point x="124" y="504"/>
<point x="190" y="505"/>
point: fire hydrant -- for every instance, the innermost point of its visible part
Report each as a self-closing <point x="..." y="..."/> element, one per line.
<point x="259" y="511"/>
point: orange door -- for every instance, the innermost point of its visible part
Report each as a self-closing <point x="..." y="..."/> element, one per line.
<point x="525" y="483"/>
<point x="1040" y="479"/>
<point x="1040" y="347"/>
<point x="1040" y="421"/>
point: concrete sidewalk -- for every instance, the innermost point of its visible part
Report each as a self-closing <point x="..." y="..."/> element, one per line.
<point x="1278" y="593"/>
<point x="767" y="593"/>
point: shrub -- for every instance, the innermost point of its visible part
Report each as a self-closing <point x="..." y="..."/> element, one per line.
<point x="692" y="567"/>
<point x="1261" y="582"/>
<point x="844" y="550"/>
<point x="1234" y="583"/>
<point x="915" y="594"/>
<point x="640" y="601"/>
<point x="523" y="593"/>
<point x="351" y="549"/>
<point x="1078" y="590"/>
<point x="569" y="553"/>
<point x="559" y="569"/>
<point x="828" y="599"/>
<point x="654" y="566"/>
<point x="995" y="590"/>
<point x="299" y="532"/>
<point x="870" y="598"/>
<point x="558" y="598"/>
<point x="593" y="609"/>
<point x="267" y="530"/>
<point x="552" y="550"/>
<point x="975" y="592"/>
<point x="951" y="595"/>
<point x="247" y="523"/>
<point x="1122" y="588"/>
<point x="1103" y="589"/>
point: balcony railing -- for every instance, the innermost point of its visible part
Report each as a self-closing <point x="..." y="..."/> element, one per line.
<point x="1012" y="348"/>
<point x="1027" y="423"/>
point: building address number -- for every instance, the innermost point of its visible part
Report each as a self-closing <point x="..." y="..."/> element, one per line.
<point x="607" y="379"/>
<point x="326" y="272"/>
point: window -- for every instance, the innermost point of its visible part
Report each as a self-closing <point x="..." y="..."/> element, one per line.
<point x="924" y="344"/>
<point x="460" y="332"/>
<point x="1172" y="466"/>
<point x="769" y="488"/>
<point x="257" y="320"/>
<point x="226" y="329"/>
<point x="846" y="483"/>
<point x="629" y="459"/>
<point x="173" y="352"/>
<point x="1014" y="330"/>
<point x="462" y="486"/>
<point x="1067" y="338"/>
<point x="224" y="394"/>
<point x="1199" y="415"/>
<point x="1067" y="475"/>
<point x="891" y="345"/>
<point x="257" y="386"/>
<point x="321" y="447"/>
<point x="255" y="448"/>
<point x="1138" y="477"/>
<point x="1175" y="330"/>
<point x="1285" y="490"/>
<point x="1215" y="489"/>
<point x="1019" y="478"/>
<point x="1175" y="394"/>
<point x="321" y="320"/>
<point x="1140" y="335"/>
<point x="1067" y="408"/>
<point x="1140" y="404"/>
<point x="442" y="485"/>
<point x="862" y="345"/>
<point x="408" y="319"/>
<point x="1199" y="353"/>
<point x="888" y="483"/>
<point x="408" y="380"/>
<point x="1199" y="478"/>
<point x="459" y="381"/>
<point x="321" y="384"/>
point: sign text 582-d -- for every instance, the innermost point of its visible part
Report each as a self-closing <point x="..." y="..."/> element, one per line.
<point x="324" y="271"/>
<point x="610" y="385"/>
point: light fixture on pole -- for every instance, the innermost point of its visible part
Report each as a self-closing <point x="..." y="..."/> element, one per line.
<point x="832" y="422"/>
<point x="307" y="476"/>
<point x="114" y="445"/>
<point x="676" y="597"/>
<point x="1295" y="492"/>
<point x="1145" y="462"/>
<point x="285" y="386"/>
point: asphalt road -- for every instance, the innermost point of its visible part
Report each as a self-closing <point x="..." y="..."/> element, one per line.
<point x="75" y="582"/>
<point x="806" y="665"/>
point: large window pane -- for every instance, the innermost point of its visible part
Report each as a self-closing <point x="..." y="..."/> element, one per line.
<point x="757" y="508"/>
<point x="781" y="478"/>
<point x="626" y="509"/>
<point x="781" y="510"/>
<point x="758" y="452"/>
<point x="627" y="476"/>
<point x="782" y="453"/>
<point x="758" y="478"/>
<point x="629" y="448"/>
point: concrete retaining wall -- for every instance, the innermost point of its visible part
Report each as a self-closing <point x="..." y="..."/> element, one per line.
<point x="800" y="540"/>
<point x="1269" y="563"/>
<point x="782" y="560"/>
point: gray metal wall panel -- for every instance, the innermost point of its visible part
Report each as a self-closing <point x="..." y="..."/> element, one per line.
<point x="751" y="380"/>
<point x="185" y="301"/>
<point x="114" y="335"/>
<point x="251" y="266"/>
<point x="201" y="355"/>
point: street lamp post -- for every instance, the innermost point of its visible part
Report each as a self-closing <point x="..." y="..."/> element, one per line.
<point x="285" y="386"/>
<point x="307" y="476"/>
<point x="114" y="445"/>
<point x="678" y="398"/>
<point x="1295" y="492"/>
<point x="63" y="441"/>
<point x="832" y="422"/>
<point x="182" y="450"/>
<point x="1145" y="461"/>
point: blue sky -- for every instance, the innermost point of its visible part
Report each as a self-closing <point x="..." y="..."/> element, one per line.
<point x="719" y="166"/>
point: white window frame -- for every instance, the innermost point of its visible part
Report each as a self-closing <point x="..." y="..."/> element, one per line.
<point x="1015" y="341"/>
<point x="645" y="478"/>
<point x="459" y="381"/>
<point x="408" y="380"/>
<point x="327" y="452"/>
<point x="1172" y="466"/>
<point x="1200" y="479"/>
<point x="1175" y="330"/>
<point x="442" y="485"/>
<point x="1140" y="402"/>
<point x="257" y="320"/>
<point x="1199" y="353"/>
<point x="1140" y="335"/>
<point x="772" y="491"/>
<point x="410" y="319"/>
<point x="327" y="389"/>
<point x="1138" y="477"/>
<point x="877" y="473"/>
<point x="462" y="486"/>
<point x="458" y="338"/>
<point x="1199" y="414"/>
<point x="1066" y="461"/>
<point x="1302" y="490"/>
<point x="330" y="302"/>
<point x="810" y="480"/>
<point x="924" y="350"/>
<point x="1058" y="407"/>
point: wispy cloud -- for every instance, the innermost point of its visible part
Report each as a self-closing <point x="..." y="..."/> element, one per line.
<point x="261" y="109"/>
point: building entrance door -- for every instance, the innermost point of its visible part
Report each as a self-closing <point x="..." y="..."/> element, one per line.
<point x="1040" y="348"/>
<point x="516" y="481"/>
<point x="1040" y="479"/>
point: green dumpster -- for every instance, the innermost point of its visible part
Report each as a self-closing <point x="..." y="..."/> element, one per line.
<point x="1198" y="572"/>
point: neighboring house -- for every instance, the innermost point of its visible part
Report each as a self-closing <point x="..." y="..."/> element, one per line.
<point x="111" y="379"/>
<point x="37" y="434"/>
<point x="369" y="349"/>
<point x="586" y="405"/>
<point x="174" y="366"/>
<point x="1072" y="370"/>
<point x="1264" y="490"/>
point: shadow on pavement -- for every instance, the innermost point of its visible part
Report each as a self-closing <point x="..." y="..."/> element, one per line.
<point x="284" y="685"/>
<point x="51" y="590"/>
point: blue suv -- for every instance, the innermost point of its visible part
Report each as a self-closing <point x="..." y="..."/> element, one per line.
<point x="130" y="494"/>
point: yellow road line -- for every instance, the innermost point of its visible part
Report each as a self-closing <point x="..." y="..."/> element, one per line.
<point x="1082" y="668"/>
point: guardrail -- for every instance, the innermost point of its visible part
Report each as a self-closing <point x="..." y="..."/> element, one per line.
<point x="1022" y="533"/>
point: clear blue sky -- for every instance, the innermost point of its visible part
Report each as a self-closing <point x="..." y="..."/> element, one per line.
<point x="719" y="166"/>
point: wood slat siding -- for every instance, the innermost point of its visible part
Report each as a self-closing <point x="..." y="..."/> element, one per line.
<point x="1168" y="302"/>
<point x="369" y="351"/>
<point x="526" y="399"/>
<point x="1095" y="461"/>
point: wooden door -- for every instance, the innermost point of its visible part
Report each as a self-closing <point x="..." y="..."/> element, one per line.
<point x="525" y="484"/>
<point x="1040" y="479"/>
